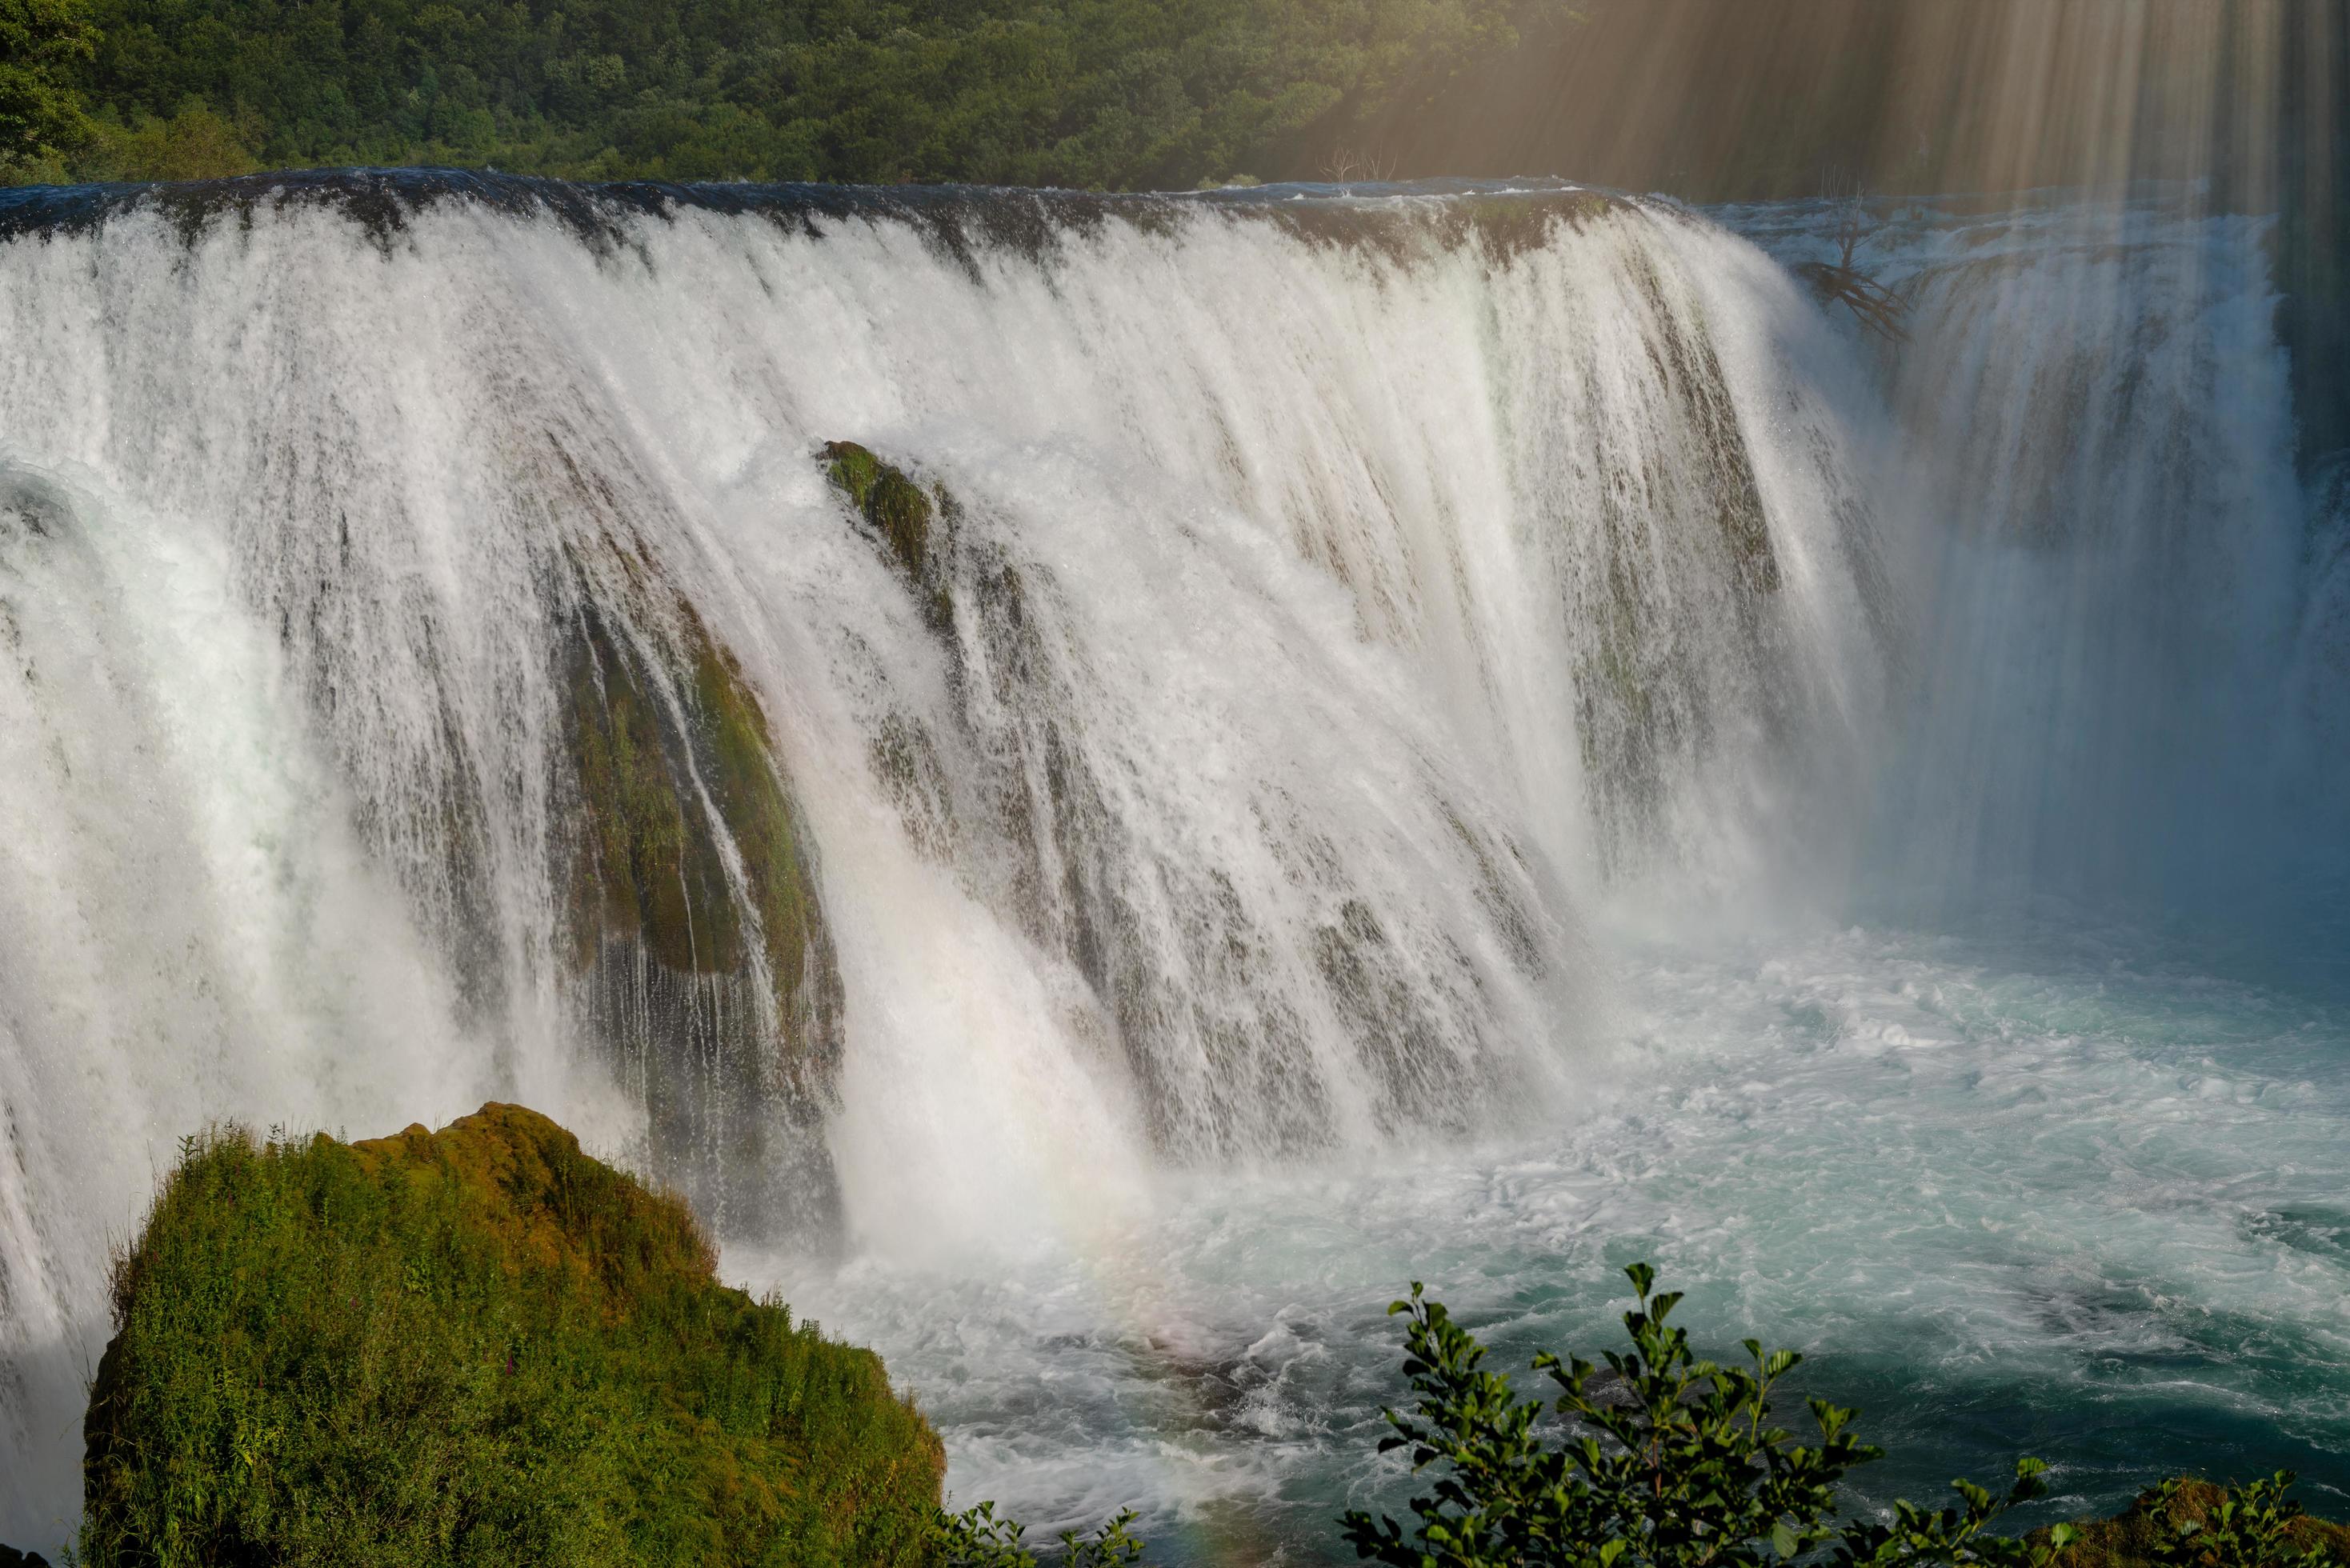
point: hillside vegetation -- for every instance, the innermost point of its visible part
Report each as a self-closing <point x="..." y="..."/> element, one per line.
<point x="1114" y="94"/>
<point x="469" y="1348"/>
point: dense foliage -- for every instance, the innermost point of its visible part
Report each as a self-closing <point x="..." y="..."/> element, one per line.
<point x="1662" y="1460"/>
<point x="474" y="1346"/>
<point x="44" y="45"/>
<point x="1103" y="93"/>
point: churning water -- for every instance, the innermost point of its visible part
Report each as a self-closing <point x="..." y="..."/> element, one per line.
<point x="1459" y="735"/>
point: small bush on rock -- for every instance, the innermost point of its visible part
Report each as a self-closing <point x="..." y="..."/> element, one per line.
<point x="2190" y="1524"/>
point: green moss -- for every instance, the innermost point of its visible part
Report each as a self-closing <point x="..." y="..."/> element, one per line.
<point x="853" y="468"/>
<point x="738" y="755"/>
<point x="648" y="865"/>
<point x="905" y="515"/>
<point x="648" y="862"/>
<point x="474" y="1346"/>
<point x="897" y="506"/>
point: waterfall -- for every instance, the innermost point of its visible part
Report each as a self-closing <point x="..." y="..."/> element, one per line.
<point x="902" y="714"/>
<point x="2116" y="547"/>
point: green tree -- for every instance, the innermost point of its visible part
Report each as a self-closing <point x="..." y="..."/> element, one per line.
<point x="44" y="43"/>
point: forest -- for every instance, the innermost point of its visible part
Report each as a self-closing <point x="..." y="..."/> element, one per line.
<point x="1800" y="96"/>
<point x="1108" y="94"/>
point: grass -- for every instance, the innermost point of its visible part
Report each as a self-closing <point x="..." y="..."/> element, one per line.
<point x="472" y="1347"/>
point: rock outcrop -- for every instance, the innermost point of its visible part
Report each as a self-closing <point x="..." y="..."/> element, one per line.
<point x="692" y="909"/>
<point x="908" y="518"/>
<point x="472" y="1346"/>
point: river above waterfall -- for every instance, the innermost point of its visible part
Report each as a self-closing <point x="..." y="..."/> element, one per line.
<point x="1103" y="782"/>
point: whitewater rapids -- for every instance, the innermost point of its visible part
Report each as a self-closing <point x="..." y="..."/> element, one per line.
<point x="1416" y="682"/>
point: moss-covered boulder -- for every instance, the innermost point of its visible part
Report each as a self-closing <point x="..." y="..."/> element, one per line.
<point x="693" y="913"/>
<point x="664" y="768"/>
<point x="910" y="520"/>
<point x="472" y="1346"/>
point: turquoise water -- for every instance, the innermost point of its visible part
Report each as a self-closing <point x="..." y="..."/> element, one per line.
<point x="2055" y="1192"/>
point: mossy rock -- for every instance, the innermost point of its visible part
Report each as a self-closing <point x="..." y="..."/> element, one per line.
<point x="472" y="1346"/>
<point x="694" y="924"/>
<point x="908" y="518"/>
<point x="649" y="865"/>
<point x="737" y="753"/>
<point x="1507" y="226"/>
<point x="853" y="468"/>
<point x="664" y="764"/>
<point x="2127" y="1539"/>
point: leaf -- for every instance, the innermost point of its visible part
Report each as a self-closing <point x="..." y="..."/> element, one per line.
<point x="1783" y="1537"/>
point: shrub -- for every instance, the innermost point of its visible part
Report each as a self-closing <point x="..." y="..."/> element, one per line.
<point x="1661" y="1462"/>
<point x="196" y="143"/>
<point x="2251" y="1525"/>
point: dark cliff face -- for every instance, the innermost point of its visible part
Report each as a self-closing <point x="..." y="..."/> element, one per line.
<point x="474" y="1346"/>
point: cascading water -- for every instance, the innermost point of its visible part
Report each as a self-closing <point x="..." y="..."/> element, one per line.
<point x="1247" y="702"/>
<point x="2117" y="550"/>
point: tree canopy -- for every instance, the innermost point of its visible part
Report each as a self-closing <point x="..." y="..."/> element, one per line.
<point x="44" y="46"/>
<point x="1115" y="94"/>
